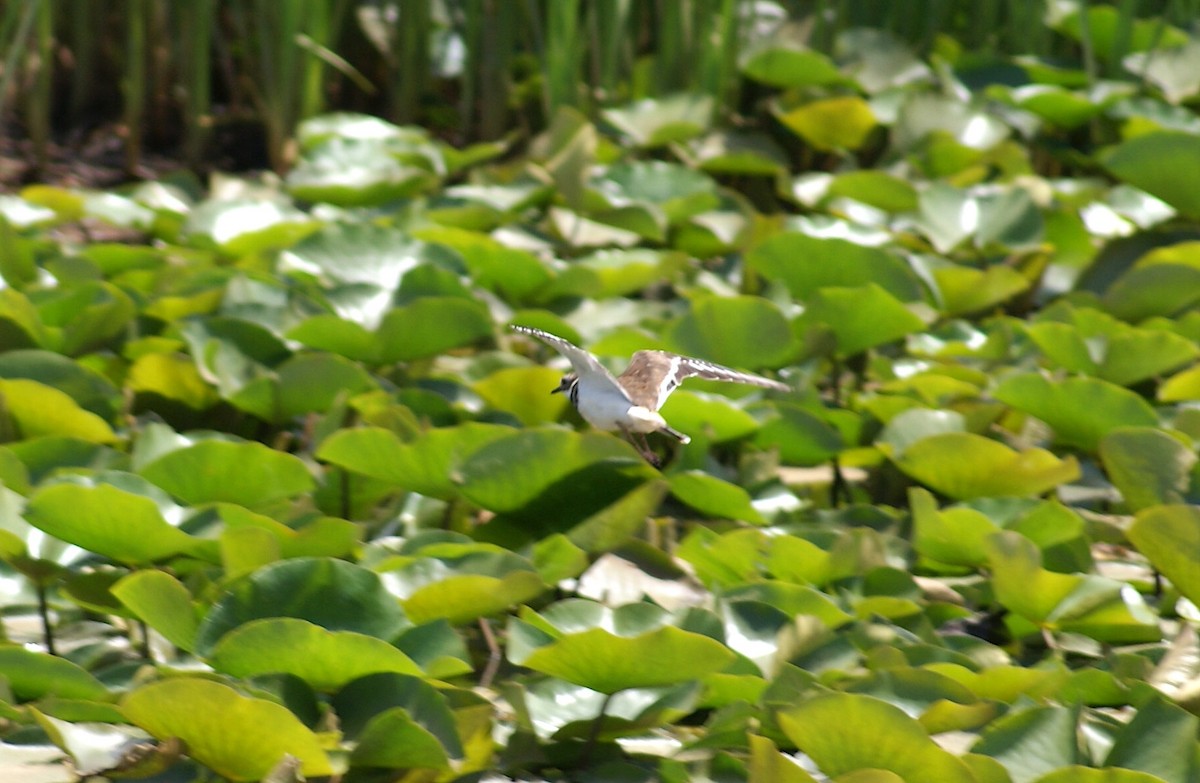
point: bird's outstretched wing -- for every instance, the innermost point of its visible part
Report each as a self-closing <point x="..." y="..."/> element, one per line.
<point x="653" y="375"/>
<point x="582" y="362"/>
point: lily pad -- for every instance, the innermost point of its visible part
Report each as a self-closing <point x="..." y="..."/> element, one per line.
<point x="964" y="465"/>
<point x="1169" y="537"/>
<point x="120" y="525"/>
<point x="428" y="465"/>
<point x="744" y="331"/>
<point x="163" y="603"/>
<point x="859" y="318"/>
<point x="330" y="593"/>
<point x="608" y="663"/>
<point x="807" y="264"/>
<point x="1158" y="164"/>
<point x="1081" y="410"/>
<point x="844" y="732"/>
<point x="324" y="659"/>
<point x="239" y="737"/>
<point x="249" y="474"/>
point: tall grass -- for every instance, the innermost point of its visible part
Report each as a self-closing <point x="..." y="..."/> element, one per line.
<point x="283" y="60"/>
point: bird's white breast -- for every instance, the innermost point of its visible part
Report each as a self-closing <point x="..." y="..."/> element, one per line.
<point x="605" y="408"/>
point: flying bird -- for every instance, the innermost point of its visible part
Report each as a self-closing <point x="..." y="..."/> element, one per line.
<point x="629" y="403"/>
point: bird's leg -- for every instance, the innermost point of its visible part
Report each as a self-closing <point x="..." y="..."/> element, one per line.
<point x="639" y="442"/>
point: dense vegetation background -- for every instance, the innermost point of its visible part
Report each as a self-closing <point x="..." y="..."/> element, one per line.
<point x="282" y="495"/>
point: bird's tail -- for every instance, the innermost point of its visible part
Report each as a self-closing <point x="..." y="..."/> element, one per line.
<point x="676" y="434"/>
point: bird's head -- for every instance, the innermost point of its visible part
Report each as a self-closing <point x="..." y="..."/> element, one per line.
<point x="568" y="380"/>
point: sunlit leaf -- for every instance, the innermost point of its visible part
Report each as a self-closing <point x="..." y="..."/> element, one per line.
<point x="1159" y="163"/>
<point x="324" y="659"/>
<point x="239" y="737"/>
<point x="428" y="465"/>
<point x="31" y="675"/>
<point x="842" y="123"/>
<point x="1169" y="536"/>
<point x="807" y="264"/>
<point x="120" y="525"/>
<point x="845" y="732"/>
<point x="1148" y="466"/>
<point x="964" y="465"/>
<point x="249" y="474"/>
<point x="333" y="594"/>
<point x="859" y="318"/>
<point x="162" y="602"/>
<point x="744" y="331"/>
<point x="710" y="495"/>
<point x="1080" y="410"/>
<point x="605" y="662"/>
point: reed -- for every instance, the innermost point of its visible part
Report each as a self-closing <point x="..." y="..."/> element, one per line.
<point x="294" y="58"/>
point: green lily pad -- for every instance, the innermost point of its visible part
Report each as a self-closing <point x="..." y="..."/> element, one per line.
<point x="1056" y="105"/>
<point x="807" y="264"/>
<point x="1159" y="163"/>
<point x="710" y="495"/>
<point x="515" y="273"/>
<point x="1080" y="410"/>
<point x="1148" y="465"/>
<point x="460" y="585"/>
<point x="366" y="705"/>
<point x="791" y="66"/>
<point x="859" y="318"/>
<point x="745" y="331"/>
<point x="964" y="465"/>
<point x="1121" y="354"/>
<point x="394" y="739"/>
<point x="548" y="474"/>
<point x="238" y="737"/>
<point x="312" y="383"/>
<point x="802" y="437"/>
<point x="430" y="326"/>
<point x="90" y="390"/>
<point x="680" y="192"/>
<point x="655" y="122"/>
<point x="839" y="123"/>
<point x="358" y="172"/>
<point x="1174" y="70"/>
<point x="1169" y="537"/>
<point x="163" y="603"/>
<point x="524" y="392"/>
<point x="608" y="663"/>
<point x="1155" y="289"/>
<point x="717" y="417"/>
<point x="31" y="675"/>
<point x="171" y="376"/>
<point x="955" y="536"/>
<point x="20" y="324"/>
<point x="120" y="525"/>
<point x="1032" y="742"/>
<point x="356" y="253"/>
<point x="1157" y="742"/>
<point x="91" y="316"/>
<point x="331" y="593"/>
<point x="1104" y="609"/>
<point x="428" y="465"/>
<point x="37" y="410"/>
<point x="878" y="189"/>
<point x="248" y="474"/>
<point x="965" y="290"/>
<point x="324" y="659"/>
<point x="242" y="227"/>
<point x="845" y="732"/>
